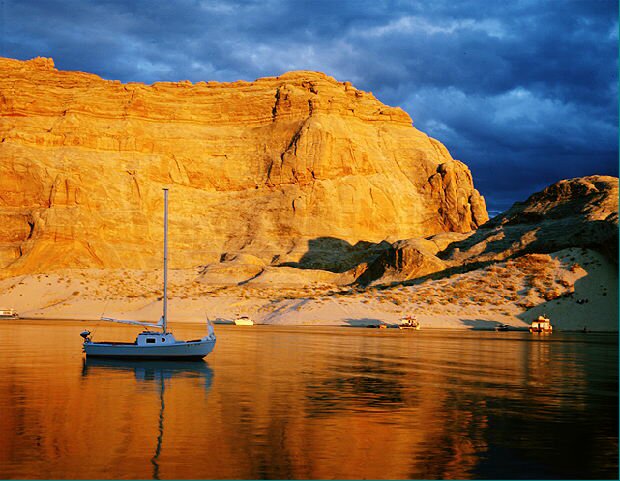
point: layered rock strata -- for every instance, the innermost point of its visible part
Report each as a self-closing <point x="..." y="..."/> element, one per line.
<point x="260" y="168"/>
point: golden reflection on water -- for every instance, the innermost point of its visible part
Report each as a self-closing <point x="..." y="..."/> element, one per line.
<point x="313" y="403"/>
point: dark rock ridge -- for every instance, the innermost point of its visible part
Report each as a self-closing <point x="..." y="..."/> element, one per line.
<point x="580" y="212"/>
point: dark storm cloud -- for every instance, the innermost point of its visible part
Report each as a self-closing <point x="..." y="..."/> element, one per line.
<point x="524" y="92"/>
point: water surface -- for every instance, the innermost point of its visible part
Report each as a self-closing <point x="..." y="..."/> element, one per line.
<point x="311" y="403"/>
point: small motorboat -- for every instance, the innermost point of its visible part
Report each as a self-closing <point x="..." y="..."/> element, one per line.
<point x="409" y="322"/>
<point x="243" y="321"/>
<point x="502" y="327"/>
<point x="541" y="325"/>
<point x="8" y="314"/>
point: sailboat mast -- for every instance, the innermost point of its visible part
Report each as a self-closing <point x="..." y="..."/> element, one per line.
<point x="165" y="317"/>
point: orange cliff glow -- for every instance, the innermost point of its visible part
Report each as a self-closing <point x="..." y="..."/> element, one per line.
<point x="262" y="167"/>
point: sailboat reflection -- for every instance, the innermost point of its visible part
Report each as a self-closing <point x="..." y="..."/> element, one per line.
<point x="152" y="370"/>
<point x="157" y="372"/>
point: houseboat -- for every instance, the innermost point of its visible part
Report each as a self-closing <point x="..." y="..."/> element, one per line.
<point x="542" y="324"/>
<point x="409" y="322"/>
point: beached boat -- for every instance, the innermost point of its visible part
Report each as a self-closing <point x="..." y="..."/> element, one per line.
<point x="540" y="325"/>
<point x="502" y="327"/>
<point x="243" y="321"/>
<point x="409" y="322"/>
<point x="152" y="344"/>
<point x="8" y="314"/>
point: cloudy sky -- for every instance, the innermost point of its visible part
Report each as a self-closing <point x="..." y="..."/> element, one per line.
<point x="524" y="92"/>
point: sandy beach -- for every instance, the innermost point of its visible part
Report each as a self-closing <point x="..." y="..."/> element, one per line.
<point x="576" y="288"/>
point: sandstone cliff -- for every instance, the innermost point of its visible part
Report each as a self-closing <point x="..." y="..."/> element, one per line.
<point x="543" y="256"/>
<point x="581" y="212"/>
<point x="260" y="168"/>
<point x="572" y="213"/>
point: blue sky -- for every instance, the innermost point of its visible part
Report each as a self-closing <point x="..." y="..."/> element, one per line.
<point x="524" y="92"/>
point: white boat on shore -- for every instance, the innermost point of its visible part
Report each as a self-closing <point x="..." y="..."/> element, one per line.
<point x="541" y="325"/>
<point x="409" y="322"/>
<point x="8" y="314"/>
<point x="152" y="344"/>
<point x="243" y="321"/>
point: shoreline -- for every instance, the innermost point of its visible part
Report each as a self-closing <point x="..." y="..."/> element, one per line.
<point x="575" y="288"/>
<point x="191" y="323"/>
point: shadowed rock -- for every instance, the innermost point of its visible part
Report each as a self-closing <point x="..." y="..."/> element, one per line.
<point x="581" y="212"/>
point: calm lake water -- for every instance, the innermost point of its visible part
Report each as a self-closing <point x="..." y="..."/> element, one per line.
<point x="276" y="402"/>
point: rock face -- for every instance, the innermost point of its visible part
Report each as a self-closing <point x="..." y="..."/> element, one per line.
<point x="574" y="213"/>
<point x="259" y="168"/>
<point x="403" y="260"/>
<point x="581" y="212"/>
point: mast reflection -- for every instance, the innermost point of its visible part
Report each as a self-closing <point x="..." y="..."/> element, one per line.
<point x="160" y="373"/>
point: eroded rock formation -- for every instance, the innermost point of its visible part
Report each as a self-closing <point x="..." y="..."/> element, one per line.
<point x="572" y="213"/>
<point x="260" y="168"/>
<point x="580" y="212"/>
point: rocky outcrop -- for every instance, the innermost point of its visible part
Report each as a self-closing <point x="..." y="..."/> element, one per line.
<point x="581" y="212"/>
<point x="260" y="168"/>
<point x="575" y="213"/>
<point x="407" y="259"/>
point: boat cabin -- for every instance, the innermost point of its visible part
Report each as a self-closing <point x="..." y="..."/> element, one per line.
<point x="154" y="338"/>
<point x="542" y="324"/>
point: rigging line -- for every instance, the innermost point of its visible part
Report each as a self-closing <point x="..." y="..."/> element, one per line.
<point x="92" y="335"/>
<point x="105" y="306"/>
<point x="204" y="308"/>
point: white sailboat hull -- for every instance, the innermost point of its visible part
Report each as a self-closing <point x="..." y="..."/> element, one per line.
<point x="179" y="350"/>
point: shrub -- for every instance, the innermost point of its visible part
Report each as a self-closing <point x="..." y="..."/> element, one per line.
<point x="550" y="295"/>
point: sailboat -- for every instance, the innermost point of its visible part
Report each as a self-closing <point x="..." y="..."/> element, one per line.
<point x="152" y="344"/>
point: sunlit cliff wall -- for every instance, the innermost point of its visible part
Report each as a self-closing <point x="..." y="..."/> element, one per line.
<point x="261" y="167"/>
